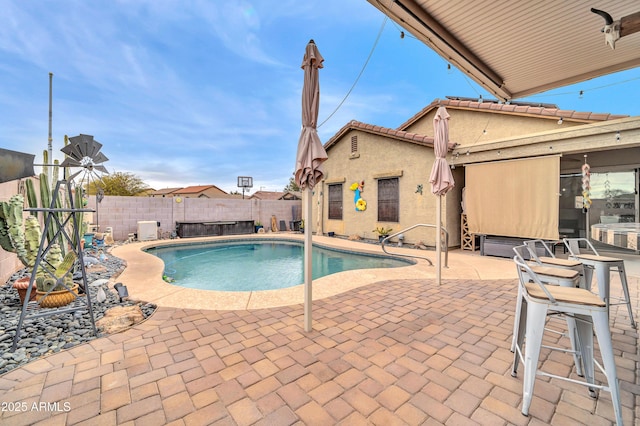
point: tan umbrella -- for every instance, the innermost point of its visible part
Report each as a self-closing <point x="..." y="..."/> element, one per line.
<point x="311" y="155"/>
<point x="441" y="178"/>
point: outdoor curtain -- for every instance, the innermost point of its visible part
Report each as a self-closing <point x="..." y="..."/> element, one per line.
<point x="515" y="198"/>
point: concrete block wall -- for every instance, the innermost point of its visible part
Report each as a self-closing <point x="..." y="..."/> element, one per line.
<point x="123" y="213"/>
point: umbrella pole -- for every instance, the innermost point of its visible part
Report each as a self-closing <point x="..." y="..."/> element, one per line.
<point x="307" y="261"/>
<point x="439" y="239"/>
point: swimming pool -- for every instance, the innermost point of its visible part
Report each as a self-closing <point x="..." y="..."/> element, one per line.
<point x="249" y="265"/>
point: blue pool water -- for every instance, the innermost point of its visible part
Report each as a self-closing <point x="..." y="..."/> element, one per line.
<point x="257" y="265"/>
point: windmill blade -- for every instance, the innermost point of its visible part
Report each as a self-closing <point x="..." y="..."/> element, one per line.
<point x="70" y="162"/>
<point x="72" y="150"/>
<point x="102" y="169"/>
<point x="81" y="142"/>
<point x="100" y="158"/>
<point x="93" y="148"/>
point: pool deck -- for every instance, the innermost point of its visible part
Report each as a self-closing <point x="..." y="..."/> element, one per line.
<point x="143" y="276"/>
<point x="388" y="347"/>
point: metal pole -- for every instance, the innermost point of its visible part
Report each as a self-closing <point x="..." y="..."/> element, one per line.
<point x="308" y="244"/>
<point x="50" y="141"/>
<point x="439" y="239"/>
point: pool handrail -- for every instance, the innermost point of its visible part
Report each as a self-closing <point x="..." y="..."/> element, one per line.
<point x="427" y="225"/>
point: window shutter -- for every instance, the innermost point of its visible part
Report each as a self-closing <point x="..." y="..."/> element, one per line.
<point x="388" y="200"/>
<point x="335" y="201"/>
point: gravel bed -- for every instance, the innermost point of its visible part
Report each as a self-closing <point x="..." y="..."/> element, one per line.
<point x="43" y="336"/>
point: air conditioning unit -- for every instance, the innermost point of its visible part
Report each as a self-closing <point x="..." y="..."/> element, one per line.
<point x="147" y="230"/>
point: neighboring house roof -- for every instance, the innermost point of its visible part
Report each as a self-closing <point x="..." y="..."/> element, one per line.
<point x="164" y="191"/>
<point x="517" y="108"/>
<point x="382" y="131"/>
<point x="267" y="195"/>
<point x="291" y="195"/>
<point x="147" y="192"/>
<point x="197" y="189"/>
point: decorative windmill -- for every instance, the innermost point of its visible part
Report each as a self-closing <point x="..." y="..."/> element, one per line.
<point x="65" y="222"/>
<point x="83" y="151"/>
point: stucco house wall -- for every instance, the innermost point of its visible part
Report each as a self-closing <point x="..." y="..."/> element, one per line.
<point x="407" y="153"/>
<point x="378" y="157"/>
<point x="467" y="126"/>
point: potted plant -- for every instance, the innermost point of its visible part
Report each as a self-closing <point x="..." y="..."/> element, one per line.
<point x="258" y="226"/>
<point x="382" y="232"/>
<point x="24" y="241"/>
<point x="54" y="284"/>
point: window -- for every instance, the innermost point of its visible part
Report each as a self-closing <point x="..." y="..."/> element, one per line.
<point x="388" y="200"/>
<point x="354" y="144"/>
<point x="335" y="201"/>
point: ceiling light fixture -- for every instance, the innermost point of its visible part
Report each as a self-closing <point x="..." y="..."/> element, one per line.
<point x="560" y="121"/>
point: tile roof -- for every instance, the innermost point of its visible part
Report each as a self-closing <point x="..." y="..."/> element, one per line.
<point x="198" y="188"/>
<point x="267" y="195"/>
<point x="165" y="191"/>
<point x="519" y="108"/>
<point x="383" y="131"/>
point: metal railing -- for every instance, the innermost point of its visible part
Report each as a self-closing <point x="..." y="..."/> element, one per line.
<point x="445" y="248"/>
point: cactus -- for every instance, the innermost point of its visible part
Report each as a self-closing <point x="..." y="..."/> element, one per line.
<point x="56" y="174"/>
<point x="45" y="161"/>
<point x="45" y="202"/>
<point x="32" y="201"/>
<point x="23" y="241"/>
<point x="58" y="271"/>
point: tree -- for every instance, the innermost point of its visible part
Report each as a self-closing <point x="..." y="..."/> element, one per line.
<point x="292" y="186"/>
<point x="118" y="183"/>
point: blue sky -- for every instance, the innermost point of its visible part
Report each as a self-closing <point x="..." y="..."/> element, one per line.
<point x="200" y="92"/>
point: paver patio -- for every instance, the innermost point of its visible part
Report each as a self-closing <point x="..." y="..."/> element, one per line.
<point x="399" y="351"/>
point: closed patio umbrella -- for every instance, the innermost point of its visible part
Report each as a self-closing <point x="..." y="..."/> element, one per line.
<point x="441" y="178"/>
<point x="310" y="156"/>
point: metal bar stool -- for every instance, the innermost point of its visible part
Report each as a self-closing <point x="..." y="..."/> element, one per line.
<point x="552" y="276"/>
<point x="590" y="313"/>
<point x="602" y="266"/>
<point x="551" y="260"/>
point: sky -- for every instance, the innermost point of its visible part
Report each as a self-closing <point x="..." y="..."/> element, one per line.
<point x="200" y="92"/>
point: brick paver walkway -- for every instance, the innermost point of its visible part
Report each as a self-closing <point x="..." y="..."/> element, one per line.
<point x="393" y="352"/>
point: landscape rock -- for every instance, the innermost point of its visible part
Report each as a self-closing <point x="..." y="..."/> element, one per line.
<point x="120" y="318"/>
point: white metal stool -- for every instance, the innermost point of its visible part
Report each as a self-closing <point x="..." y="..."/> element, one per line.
<point x="551" y="260"/>
<point x="603" y="265"/>
<point x="553" y="276"/>
<point x="590" y="313"/>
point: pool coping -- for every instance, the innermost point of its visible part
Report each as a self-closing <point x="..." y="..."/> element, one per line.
<point x="143" y="274"/>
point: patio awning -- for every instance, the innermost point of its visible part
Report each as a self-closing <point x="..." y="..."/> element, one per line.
<point x="517" y="48"/>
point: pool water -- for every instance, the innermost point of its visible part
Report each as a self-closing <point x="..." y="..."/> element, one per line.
<point x="257" y="265"/>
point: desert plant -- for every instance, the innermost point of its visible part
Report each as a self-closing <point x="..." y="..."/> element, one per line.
<point x="382" y="231"/>
<point x="24" y="241"/>
<point x="56" y="272"/>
